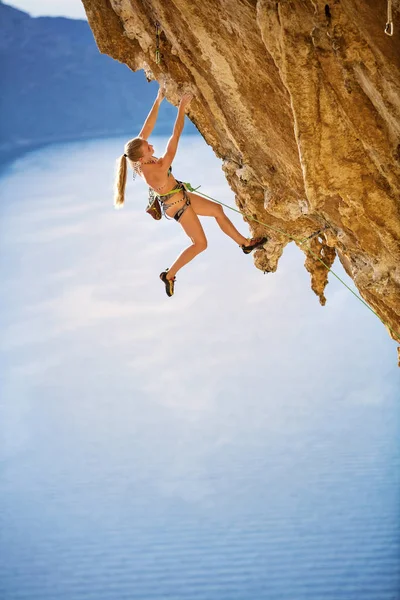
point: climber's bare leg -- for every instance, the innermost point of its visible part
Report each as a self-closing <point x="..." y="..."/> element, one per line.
<point x="193" y="228"/>
<point x="207" y="208"/>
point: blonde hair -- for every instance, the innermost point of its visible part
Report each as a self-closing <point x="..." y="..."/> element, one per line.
<point x="133" y="151"/>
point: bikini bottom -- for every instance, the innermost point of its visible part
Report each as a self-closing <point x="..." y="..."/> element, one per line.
<point x="178" y="215"/>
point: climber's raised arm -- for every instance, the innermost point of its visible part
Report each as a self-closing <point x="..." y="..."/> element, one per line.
<point x="172" y="146"/>
<point x="172" y="197"/>
<point x="152" y="117"/>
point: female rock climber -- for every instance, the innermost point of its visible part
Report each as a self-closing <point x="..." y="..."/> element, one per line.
<point x="185" y="207"/>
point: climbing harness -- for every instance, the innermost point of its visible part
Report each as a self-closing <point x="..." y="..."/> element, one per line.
<point x="389" y="24"/>
<point x="158" y="53"/>
<point x="180" y="187"/>
<point x="300" y="242"/>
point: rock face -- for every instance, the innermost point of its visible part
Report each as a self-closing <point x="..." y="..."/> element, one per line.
<point x="301" y="100"/>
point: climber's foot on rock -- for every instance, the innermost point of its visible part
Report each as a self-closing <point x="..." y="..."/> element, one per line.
<point x="253" y="244"/>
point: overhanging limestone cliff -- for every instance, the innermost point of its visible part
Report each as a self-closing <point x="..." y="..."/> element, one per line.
<point x="301" y="100"/>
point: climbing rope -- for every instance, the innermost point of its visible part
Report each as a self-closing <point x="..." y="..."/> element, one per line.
<point x="300" y="242"/>
<point x="389" y="24"/>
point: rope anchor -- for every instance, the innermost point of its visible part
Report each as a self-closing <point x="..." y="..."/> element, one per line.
<point x="389" y="24"/>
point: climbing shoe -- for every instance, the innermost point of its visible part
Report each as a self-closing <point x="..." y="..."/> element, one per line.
<point x="255" y="243"/>
<point x="169" y="283"/>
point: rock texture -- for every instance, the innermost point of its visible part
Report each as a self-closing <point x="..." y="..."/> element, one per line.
<point x="301" y="100"/>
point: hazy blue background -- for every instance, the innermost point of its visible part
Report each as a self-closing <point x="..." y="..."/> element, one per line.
<point x="234" y="441"/>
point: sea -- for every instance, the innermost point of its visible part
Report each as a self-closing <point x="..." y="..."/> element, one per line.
<point x="237" y="441"/>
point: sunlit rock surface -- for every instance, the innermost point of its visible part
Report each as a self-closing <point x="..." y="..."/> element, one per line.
<point x="301" y="100"/>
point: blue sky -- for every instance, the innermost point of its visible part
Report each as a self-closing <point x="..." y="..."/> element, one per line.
<point x="54" y="8"/>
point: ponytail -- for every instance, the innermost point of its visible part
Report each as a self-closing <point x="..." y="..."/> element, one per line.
<point x="120" y="181"/>
<point x="133" y="151"/>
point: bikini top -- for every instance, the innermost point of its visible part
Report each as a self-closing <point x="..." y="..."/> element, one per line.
<point x="138" y="168"/>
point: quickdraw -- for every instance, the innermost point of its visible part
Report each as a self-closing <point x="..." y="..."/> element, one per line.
<point x="159" y="56"/>
<point x="313" y="235"/>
